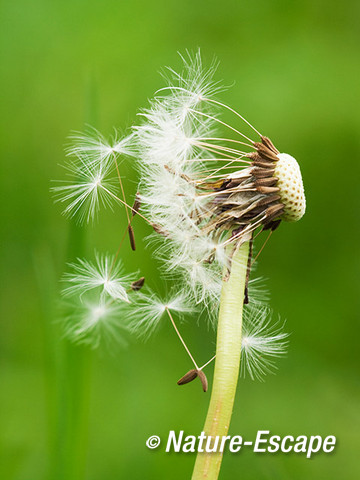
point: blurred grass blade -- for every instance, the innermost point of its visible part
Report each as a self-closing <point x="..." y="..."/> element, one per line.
<point x="75" y="367"/>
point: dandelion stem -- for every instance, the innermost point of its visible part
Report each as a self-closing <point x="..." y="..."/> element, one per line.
<point x="227" y="362"/>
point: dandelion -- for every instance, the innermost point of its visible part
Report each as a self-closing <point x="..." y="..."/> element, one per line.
<point x="208" y="188"/>
<point x="206" y="192"/>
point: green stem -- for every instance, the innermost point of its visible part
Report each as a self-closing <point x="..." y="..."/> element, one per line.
<point x="228" y="347"/>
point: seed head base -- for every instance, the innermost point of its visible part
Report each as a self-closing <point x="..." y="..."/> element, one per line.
<point x="268" y="191"/>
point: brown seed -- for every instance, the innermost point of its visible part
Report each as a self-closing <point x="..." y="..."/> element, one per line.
<point x="272" y="225"/>
<point x="253" y="156"/>
<point x="267" y="200"/>
<point x="256" y="157"/>
<point x="234" y="183"/>
<point x="268" y="143"/>
<point x="138" y="284"/>
<point x="253" y="213"/>
<point x="246" y="296"/>
<point x="275" y="224"/>
<point x="262" y="172"/>
<point x="159" y="229"/>
<point x="263" y="164"/>
<point x="188" y="377"/>
<point x="261" y="189"/>
<point x="132" y="237"/>
<point x="135" y="208"/>
<point x="265" y="152"/>
<point x="274" y="208"/>
<point x="203" y="380"/>
<point x="273" y="212"/>
<point x="266" y="182"/>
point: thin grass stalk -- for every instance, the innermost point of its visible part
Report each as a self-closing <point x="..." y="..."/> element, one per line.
<point x="228" y="349"/>
<point x="46" y="279"/>
<point x="74" y="369"/>
<point x="73" y="385"/>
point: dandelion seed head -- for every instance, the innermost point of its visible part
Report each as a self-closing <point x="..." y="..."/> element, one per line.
<point x="291" y="186"/>
<point x="200" y="187"/>
<point x="205" y="186"/>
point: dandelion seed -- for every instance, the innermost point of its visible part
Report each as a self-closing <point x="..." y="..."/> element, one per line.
<point x="97" y="150"/>
<point x="98" y="322"/>
<point x="261" y="343"/>
<point x="104" y="274"/>
<point x="190" y="86"/>
<point x="149" y="309"/>
<point x="91" y="188"/>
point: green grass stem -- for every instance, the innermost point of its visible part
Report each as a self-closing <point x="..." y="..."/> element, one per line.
<point x="74" y="367"/>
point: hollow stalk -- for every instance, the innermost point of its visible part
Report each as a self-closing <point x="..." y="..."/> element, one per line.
<point x="228" y="348"/>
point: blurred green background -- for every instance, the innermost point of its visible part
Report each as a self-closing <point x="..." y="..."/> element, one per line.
<point x="296" y="71"/>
